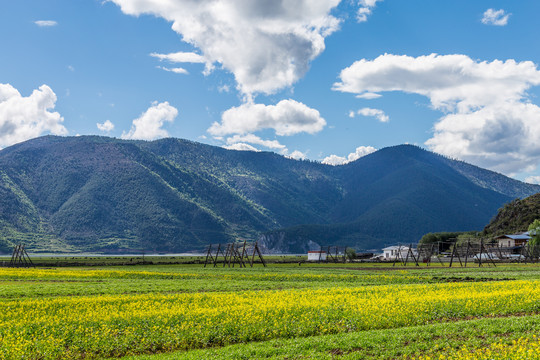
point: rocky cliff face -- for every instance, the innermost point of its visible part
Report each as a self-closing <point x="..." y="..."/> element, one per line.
<point x="279" y="243"/>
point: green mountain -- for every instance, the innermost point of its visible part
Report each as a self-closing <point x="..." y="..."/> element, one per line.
<point x="514" y="217"/>
<point x="94" y="193"/>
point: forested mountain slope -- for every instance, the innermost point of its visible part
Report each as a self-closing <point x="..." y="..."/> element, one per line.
<point x="515" y="216"/>
<point x="94" y="193"/>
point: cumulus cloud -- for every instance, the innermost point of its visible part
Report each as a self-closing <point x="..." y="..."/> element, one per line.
<point x="365" y="9"/>
<point x="149" y="126"/>
<point x="357" y="154"/>
<point x="533" y="180"/>
<point x="495" y="17"/>
<point x="297" y="155"/>
<point x="254" y="139"/>
<point x="334" y="160"/>
<point x="288" y="117"/>
<point x="107" y="126"/>
<point x="241" y="147"/>
<point x="246" y="142"/>
<point x="489" y="120"/>
<point x="45" y="23"/>
<point x="267" y="45"/>
<point x="23" y="118"/>
<point x="376" y="113"/>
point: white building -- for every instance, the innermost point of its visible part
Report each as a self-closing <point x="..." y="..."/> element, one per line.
<point x="395" y="252"/>
<point x="316" y="255"/>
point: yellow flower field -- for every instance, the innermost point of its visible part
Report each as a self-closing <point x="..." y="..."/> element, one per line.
<point x="114" y="325"/>
<point x="31" y="273"/>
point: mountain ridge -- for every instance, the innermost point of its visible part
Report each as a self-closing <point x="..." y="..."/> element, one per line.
<point x="93" y="193"/>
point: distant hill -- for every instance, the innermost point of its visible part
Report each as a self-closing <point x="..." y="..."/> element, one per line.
<point x="514" y="217"/>
<point x="94" y="193"/>
<point x="396" y="193"/>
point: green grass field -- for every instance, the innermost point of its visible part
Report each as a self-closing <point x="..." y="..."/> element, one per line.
<point x="284" y="311"/>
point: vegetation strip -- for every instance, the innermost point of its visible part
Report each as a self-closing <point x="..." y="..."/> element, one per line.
<point x="433" y="341"/>
<point x="114" y="325"/>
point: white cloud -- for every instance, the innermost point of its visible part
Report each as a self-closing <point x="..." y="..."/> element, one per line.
<point x="368" y="96"/>
<point x="502" y="137"/>
<point x="107" y="126"/>
<point x="45" y="23"/>
<point x="254" y="139"/>
<point x="368" y="3"/>
<point x="360" y="151"/>
<point x="149" y="126"/>
<point x="288" y="117"/>
<point x="181" y="57"/>
<point x="495" y="17"/>
<point x="267" y="45"/>
<point x="241" y="147"/>
<point x="177" y="70"/>
<point x="184" y="57"/>
<point x="23" y="118"/>
<point x="334" y="160"/>
<point x="246" y="142"/>
<point x="376" y="113"/>
<point x="489" y="121"/>
<point x="297" y="155"/>
<point x="365" y="9"/>
<point x="533" y="180"/>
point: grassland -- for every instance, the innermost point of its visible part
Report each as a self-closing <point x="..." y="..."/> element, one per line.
<point x="185" y="311"/>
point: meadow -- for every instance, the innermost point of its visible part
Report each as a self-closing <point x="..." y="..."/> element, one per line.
<point x="318" y="311"/>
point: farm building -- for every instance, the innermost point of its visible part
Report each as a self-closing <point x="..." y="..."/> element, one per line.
<point x="316" y="255"/>
<point x="509" y="241"/>
<point x="395" y="252"/>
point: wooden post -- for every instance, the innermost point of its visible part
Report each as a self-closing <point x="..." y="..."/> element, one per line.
<point x="20" y="257"/>
<point x="500" y="252"/>
<point x="253" y="255"/>
<point x="208" y="254"/>
<point x="430" y="254"/>
<point x="228" y="253"/>
<point x="459" y="258"/>
<point x="240" y="256"/>
<point x="489" y="254"/>
<point x="480" y="257"/>
<point x="406" y="257"/>
<point x="467" y="252"/>
<point x="244" y="252"/>
<point x="452" y="256"/>
<point x="217" y="254"/>
<point x="260" y="255"/>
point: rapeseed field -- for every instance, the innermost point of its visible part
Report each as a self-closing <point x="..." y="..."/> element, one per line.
<point x="109" y="322"/>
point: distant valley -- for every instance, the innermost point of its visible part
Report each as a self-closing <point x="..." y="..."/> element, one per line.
<point x="99" y="194"/>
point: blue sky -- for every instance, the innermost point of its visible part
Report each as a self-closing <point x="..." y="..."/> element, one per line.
<point x="319" y="79"/>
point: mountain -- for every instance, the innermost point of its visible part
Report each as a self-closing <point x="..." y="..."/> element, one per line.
<point x="397" y="193"/>
<point x="93" y="193"/>
<point x="514" y="217"/>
